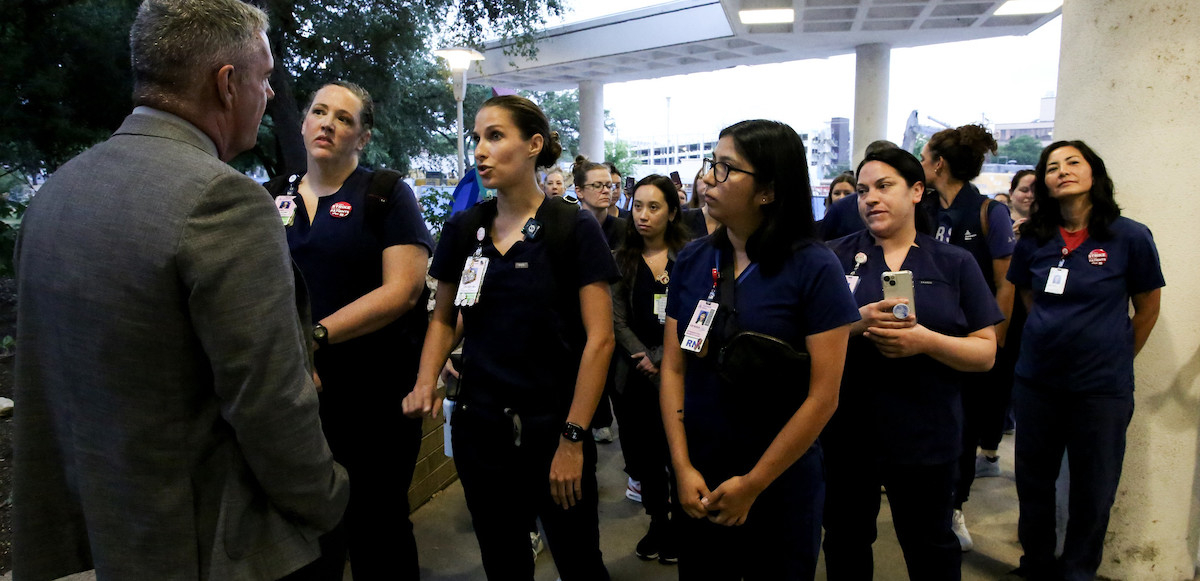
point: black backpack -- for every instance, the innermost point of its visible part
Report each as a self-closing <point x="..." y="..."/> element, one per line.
<point x="379" y="195"/>
<point x="380" y="201"/>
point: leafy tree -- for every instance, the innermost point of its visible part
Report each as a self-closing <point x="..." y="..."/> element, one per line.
<point x="65" y="79"/>
<point x="1024" y="150"/>
<point x="621" y="155"/>
<point x="562" y="108"/>
<point x="918" y="145"/>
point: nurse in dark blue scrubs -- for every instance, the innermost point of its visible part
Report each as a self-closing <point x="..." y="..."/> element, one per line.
<point x="365" y="274"/>
<point x="900" y="419"/>
<point x="1078" y="267"/>
<point x="537" y="341"/>
<point x="745" y="454"/>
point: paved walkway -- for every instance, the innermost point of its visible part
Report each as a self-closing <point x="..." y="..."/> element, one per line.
<point x="449" y="551"/>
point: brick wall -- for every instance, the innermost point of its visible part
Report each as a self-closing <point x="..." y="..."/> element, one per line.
<point x="434" y="471"/>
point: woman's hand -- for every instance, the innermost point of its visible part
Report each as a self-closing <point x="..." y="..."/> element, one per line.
<point x="644" y="364"/>
<point x="1017" y="225"/>
<point x="731" y="501"/>
<point x="317" y="381"/>
<point x="902" y="342"/>
<point x="566" y="474"/>
<point x="879" y="315"/>
<point x="421" y="400"/>
<point x="692" y="491"/>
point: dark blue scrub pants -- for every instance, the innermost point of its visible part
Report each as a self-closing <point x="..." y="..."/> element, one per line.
<point x="378" y="447"/>
<point x="507" y="487"/>
<point x="1092" y="429"/>
<point x="921" y="499"/>
<point x="780" y="540"/>
<point x="985" y="404"/>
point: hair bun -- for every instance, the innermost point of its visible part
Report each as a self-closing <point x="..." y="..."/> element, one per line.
<point x="554" y="136"/>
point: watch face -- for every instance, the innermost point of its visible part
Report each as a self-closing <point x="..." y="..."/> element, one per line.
<point x="319" y="332"/>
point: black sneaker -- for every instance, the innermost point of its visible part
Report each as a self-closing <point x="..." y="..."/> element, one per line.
<point x="668" y="549"/>
<point x="650" y="546"/>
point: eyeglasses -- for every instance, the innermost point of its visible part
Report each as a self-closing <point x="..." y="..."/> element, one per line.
<point x="720" y="170"/>
<point x="601" y="186"/>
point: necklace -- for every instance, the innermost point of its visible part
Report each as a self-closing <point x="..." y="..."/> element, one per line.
<point x="664" y="277"/>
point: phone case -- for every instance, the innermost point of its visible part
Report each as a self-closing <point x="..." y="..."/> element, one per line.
<point x="899" y="284"/>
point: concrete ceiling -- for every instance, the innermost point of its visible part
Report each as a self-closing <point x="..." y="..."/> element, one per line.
<point x="688" y="36"/>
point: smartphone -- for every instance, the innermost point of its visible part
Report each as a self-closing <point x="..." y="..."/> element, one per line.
<point x="676" y="180"/>
<point x="629" y="182"/>
<point x="900" y="284"/>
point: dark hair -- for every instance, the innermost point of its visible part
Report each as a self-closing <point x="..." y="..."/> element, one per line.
<point x="581" y="167"/>
<point x="366" y="116"/>
<point x="694" y="201"/>
<point x="964" y="149"/>
<point x="777" y="154"/>
<point x="910" y="170"/>
<point x="174" y="45"/>
<point x="612" y="168"/>
<point x="676" y="236"/>
<point x="1043" y="223"/>
<point x="530" y="120"/>
<point x="844" y="177"/>
<point x="1017" y="177"/>
<point x="879" y="144"/>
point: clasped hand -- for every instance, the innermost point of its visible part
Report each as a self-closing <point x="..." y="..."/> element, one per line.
<point x="728" y="505"/>
<point x="893" y="337"/>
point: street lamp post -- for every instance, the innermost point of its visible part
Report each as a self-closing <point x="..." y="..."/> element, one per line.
<point x="459" y="58"/>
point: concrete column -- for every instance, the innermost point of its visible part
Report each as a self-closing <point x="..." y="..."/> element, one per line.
<point x="872" y="68"/>
<point x="591" y="120"/>
<point x="1129" y="85"/>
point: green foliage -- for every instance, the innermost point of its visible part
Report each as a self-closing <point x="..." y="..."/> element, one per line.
<point x="65" y="79"/>
<point x="435" y="208"/>
<point x="1024" y="150"/>
<point x="621" y="155"/>
<point x="562" y="109"/>
<point x="11" y="214"/>
<point x="835" y="171"/>
<point x="918" y="145"/>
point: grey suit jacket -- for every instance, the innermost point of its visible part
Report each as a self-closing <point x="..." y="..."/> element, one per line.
<point x="168" y="427"/>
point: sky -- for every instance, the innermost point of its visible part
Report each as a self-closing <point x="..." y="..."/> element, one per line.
<point x="1002" y="78"/>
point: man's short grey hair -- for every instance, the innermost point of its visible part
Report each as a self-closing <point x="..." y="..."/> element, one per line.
<point x="175" y="44"/>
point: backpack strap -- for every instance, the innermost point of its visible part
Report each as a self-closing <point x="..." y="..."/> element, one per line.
<point x="380" y="199"/>
<point x="983" y="215"/>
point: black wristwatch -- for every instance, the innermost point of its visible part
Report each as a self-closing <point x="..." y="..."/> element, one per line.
<point x="573" y="432"/>
<point x="320" y="335"/>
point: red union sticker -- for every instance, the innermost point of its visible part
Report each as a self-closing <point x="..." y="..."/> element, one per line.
<point x="340" y="210"/>
<point x="1097" y="257"/>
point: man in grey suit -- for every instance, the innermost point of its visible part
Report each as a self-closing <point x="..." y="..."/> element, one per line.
<point x="168" y="426"/>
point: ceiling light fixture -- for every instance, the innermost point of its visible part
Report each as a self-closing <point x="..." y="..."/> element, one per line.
<point x="767" y="16"/>
<point x="1024" y="7"/>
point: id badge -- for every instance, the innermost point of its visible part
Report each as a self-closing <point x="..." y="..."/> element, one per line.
<point x="852" y="282"/>
<point x="699" y="326"/>
<point x="660" y="307"/>
<point x="471" y="282"/>
<point x="287" y="209"/>
<point x="1057" y="282"/>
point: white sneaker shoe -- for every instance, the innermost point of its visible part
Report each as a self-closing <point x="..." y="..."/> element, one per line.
<point x="959" y="526"/>
<point x="633" y="490"/>
<point x="603" y="435"/>
<point x="535" y="539"/>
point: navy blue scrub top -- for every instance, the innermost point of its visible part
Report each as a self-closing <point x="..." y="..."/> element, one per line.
<point x="909" y="410"/>
<point x="642" y="320"/>
<point x="519" y="350"/>
<point x="341" y="258"/>
<point x="1000" y="239"/>
<point x="842" y="219"/>
<point x="1082" y="340"/>
<point x="806" y="297"/>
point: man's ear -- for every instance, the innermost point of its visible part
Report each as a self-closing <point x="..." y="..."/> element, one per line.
<point x="226" y="88"/>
